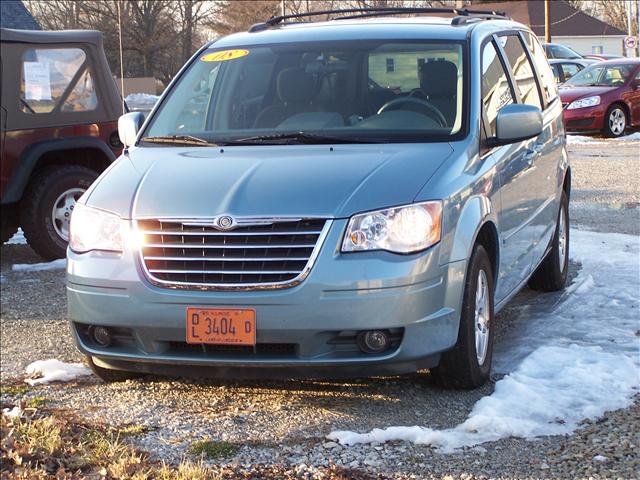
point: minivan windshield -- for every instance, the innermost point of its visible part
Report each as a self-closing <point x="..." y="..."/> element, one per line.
<point x="602" y="76"/>
<point x="348" y="91"/>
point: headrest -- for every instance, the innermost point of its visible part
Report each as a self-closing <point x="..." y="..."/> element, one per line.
<point x="439" y="78"/>
<point x="295" y="85"/>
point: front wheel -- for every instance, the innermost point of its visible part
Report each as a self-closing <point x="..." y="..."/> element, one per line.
<point x="48" y="204"/>
<point x="615" y="122"/>
<point x="468" y="364"/>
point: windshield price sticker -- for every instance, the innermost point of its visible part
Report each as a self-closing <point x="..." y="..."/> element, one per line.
<point x="224" y="55"/>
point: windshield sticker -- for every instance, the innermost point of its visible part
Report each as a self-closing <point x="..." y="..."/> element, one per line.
<point x="224" y="55"/>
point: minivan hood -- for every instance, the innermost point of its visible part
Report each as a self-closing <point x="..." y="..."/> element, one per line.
<point x="276" y="180"/>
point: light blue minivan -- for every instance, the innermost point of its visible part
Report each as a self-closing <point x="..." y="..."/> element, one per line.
<point x="350" y="197"/>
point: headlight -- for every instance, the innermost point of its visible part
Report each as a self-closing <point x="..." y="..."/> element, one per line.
<point x="406" y="229"/>
<point x="584" y="102"/>
<point x="93" y="229"/>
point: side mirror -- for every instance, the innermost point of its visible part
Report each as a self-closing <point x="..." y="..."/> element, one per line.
<point x="516" y="122"/>
<point x="128" y="127"/>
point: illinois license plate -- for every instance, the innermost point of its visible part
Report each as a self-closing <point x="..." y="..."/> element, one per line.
<point x="232" y="326"/>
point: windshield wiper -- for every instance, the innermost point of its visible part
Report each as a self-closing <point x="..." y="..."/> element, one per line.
<point x="180" y="140"/>
<point x="301" y="137"/>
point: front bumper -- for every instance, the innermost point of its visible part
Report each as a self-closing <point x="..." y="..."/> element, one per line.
<point x="590" y="119"/>
<point x="307" y="330"/>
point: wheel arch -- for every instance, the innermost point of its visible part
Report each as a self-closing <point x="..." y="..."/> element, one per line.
<point x="85" y="151"/>
<point x="477" y="223"/>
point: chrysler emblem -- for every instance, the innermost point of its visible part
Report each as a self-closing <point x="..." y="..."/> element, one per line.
<point x="224" y="222"/>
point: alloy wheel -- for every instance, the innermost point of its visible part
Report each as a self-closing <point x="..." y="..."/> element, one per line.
<point x="482" y="317"/>
<point x="562" y="239"/>
<point x="617" y="121"/>
<point x="62" y="210"/>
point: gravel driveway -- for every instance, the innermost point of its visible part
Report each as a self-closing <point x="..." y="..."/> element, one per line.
<point x="286" y="422"/>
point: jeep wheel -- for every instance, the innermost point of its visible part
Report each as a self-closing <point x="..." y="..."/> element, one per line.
<point x="48" y="204"/>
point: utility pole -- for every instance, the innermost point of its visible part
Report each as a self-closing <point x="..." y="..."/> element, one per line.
<point x="628" y="52"/>
<point x="547" y="28"/>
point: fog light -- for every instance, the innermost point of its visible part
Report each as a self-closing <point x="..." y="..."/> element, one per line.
<point x="373" y="341"/>
<point x="102" y="336"/>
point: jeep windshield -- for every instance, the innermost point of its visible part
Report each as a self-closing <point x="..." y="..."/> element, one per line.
<point x="349" y="91"/>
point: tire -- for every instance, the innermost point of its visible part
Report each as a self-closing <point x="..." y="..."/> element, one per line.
<point x="615" y="121"/>
<point x="462" y="367"/>
<point x="551" y="274"/>
<point x="6" y="233"/>
<point x="52" y="186"/>
<point x="110" y="376"/>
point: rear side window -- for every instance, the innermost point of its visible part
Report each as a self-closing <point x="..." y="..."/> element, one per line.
<point x="547" y="82"/>
<point x="569" y="70"/>
<point x="522" y="70"/>
<point x="496" y="92"/>
<point x="56" y="79"/>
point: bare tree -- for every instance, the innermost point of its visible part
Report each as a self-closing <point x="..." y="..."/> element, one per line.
<point x="234" y="16"/>
<point x="613" y="12"/>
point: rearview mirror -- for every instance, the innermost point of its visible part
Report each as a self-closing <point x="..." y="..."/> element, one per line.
<point x="128" y="127"/>
<point x="516" y="122"/>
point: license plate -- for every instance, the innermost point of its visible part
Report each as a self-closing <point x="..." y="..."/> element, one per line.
<point x="232" y="326"/>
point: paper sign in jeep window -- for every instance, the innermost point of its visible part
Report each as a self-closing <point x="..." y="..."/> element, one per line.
<point x="56" y="79"/>
<point x="354" y="90"/>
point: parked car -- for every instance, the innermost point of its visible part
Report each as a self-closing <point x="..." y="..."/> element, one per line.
<point x="351" y="197"/>
<point x="604" y="97"/>
<point x="563" y="69"/>
<point x="60" y="108"/>
<point x="556" y="50"/>
<point x="601" y="56"/>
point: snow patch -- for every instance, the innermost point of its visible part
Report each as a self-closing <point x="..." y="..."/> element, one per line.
<point x="17" y="239"/>
<point x="549" y="394"/>
<point x="15" y="412"/>
<point x="141" y="102"/>
<point x="577" y="139"/>
<point x="53" y="370"/>
<point x="582" y="287"/>
<point x="37" y="267"/>
<point x="634" y="137"/>
<point x="573" y="357"/>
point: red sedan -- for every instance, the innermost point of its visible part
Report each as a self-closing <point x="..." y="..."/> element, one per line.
<point x="604" y="97"/>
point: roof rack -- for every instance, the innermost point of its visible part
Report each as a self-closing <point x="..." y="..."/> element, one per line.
<point x="463" y="15"/>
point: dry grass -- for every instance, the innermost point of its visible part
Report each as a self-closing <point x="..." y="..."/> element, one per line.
<point x="52" y="444"/>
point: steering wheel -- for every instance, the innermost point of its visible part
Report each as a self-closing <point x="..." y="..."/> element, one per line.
<point x="429" y="109"/>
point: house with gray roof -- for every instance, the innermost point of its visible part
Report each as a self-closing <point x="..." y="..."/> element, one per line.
<point x="13" y="14"/>
<point x="569" y="25"/>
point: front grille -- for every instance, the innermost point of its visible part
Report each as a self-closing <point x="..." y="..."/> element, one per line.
<point x="258" y="253"/>
<point x="260" y="349"/>
<point x="580" y="122"/>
